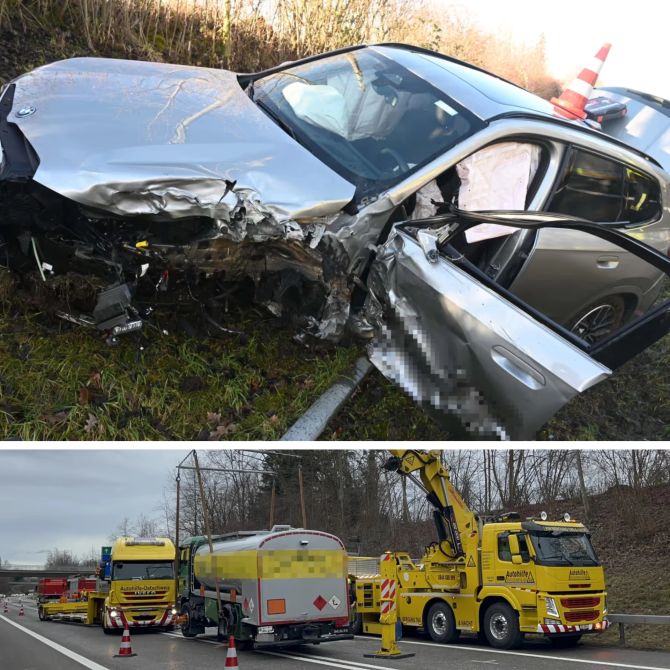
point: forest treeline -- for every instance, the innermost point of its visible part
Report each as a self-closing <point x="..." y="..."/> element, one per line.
<point x="351" y="494"/>
<point x="248" y="35"/>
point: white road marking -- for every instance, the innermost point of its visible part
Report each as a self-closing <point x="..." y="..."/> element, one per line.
<point x="340" y="660"/>
<point x="87" y="663"/>
<point x="546" y="657"/>
<point x="343" y="665"/>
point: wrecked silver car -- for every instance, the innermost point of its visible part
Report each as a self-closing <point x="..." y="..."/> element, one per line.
<point x="341" y="190"/>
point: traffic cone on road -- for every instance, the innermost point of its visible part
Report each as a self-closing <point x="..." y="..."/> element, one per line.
<point x="572" y="101"/>
<point x="125" y="648"/>
<point x="231" y="656"/>
<point x="21" y="613"/>
<point x="5" y="609"/>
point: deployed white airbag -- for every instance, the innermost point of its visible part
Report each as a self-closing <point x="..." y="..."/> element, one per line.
<point x="319" y="104"/>
<point x="496" y="177"/>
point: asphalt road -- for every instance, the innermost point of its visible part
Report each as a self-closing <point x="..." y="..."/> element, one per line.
<point x="29" y="644"/>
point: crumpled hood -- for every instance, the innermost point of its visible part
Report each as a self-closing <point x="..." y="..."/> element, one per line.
<point x="135" y="137"/>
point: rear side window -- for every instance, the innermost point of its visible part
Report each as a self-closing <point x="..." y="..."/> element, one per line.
<point x="605" y="191"/>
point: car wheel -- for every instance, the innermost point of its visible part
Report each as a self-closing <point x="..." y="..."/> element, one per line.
<point x="440" y="623"/>
<point x="186" y="627"/>
<point x="501" y="626"/>
<point x="565" y="641"/>
<point x="599" y="319"/>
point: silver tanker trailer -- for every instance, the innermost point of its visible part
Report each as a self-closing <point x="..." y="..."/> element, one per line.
<point x="281" y="587"/>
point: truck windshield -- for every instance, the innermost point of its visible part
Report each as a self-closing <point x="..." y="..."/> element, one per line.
<point x="558" y="548"/>
<point x="364" y="115"/>
<point x="142" y="570"/>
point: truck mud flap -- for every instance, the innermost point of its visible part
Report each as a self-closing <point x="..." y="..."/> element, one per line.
<point x="295" y="643"/>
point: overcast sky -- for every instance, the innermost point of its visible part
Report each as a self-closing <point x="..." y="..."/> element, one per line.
<point x="574" y="33"/>
<point x="75" y="499"/>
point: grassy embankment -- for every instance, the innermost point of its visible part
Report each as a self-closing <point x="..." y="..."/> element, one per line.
<point x="143" y="395"/>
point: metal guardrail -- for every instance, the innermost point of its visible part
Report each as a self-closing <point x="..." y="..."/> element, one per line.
<point x="314" y="421"/>
<point x="623" y="619"/>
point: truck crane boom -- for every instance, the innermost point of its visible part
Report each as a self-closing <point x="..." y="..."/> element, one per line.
<point x="456" y="524"/>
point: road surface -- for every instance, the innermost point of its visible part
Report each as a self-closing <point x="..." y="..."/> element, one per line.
<point x="29" y="644"/>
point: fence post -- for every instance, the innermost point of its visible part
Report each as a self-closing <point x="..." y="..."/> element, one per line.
<point x="622" y="633"/>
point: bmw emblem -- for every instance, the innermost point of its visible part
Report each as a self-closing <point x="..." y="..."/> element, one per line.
<point x="25" y="111"/>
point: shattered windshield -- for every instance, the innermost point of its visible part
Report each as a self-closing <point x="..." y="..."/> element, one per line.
<point x="143" y="570"/>
<point x="368" y="118"/>
<point x="560" y="548"/>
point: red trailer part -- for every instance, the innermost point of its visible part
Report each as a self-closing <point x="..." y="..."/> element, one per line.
<point x="51" y="589"/>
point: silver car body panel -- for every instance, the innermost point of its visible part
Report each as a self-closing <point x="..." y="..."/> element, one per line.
<point x="170" y="141"/>
<point x="457" y="345"/>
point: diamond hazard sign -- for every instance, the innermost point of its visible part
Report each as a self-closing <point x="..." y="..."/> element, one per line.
<point x="251" y="605"/>
<point x="320" y="602"/>
<point x="334" y="602"/>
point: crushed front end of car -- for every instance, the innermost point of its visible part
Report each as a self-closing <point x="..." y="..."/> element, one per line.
<point x="166" y="181"/>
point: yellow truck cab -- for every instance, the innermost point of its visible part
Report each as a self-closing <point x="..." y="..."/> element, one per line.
<point x="501" y="577"/>
<point x="141" y="584"/>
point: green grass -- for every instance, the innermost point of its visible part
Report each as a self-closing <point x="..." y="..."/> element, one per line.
<point x="62" y="382"/>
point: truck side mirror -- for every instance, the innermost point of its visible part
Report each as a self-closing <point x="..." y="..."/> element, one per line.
<point x="514" y="547"/>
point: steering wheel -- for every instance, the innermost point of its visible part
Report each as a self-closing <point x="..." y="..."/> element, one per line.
<point x="400" y="161"/>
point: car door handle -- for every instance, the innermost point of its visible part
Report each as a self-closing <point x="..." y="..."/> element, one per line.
<point x="518" y="368"/>
<point x="608" y="262"/>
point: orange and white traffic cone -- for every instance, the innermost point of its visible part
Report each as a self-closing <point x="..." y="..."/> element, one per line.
<point x="5" y="609"/>
<point x="571" y="102"/>
<point x="21" y="613"/>
<point x="231" y="656"/>
<point x="125" y="649"/>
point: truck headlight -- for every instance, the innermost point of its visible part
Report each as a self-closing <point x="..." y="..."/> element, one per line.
<point x="173" y="611"/>
<point x="550" y="605"/>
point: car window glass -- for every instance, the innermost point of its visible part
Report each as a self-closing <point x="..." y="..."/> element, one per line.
<point x="642" y="200"/>
<point x="591" y="188"/>
<point x="605" y="191"/>
<point x="369" y="118"/>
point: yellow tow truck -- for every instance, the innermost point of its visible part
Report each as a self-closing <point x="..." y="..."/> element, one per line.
<point x="135" y="585"/>
<point x="501" y="577"/>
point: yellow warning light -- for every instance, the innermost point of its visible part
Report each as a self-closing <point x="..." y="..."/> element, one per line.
<point x="142" y="244"/>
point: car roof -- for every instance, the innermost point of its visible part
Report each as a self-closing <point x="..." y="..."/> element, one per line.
<point x="487" y="95"/>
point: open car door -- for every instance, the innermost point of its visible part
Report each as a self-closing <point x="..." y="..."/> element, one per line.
<point x="454" y="339"/>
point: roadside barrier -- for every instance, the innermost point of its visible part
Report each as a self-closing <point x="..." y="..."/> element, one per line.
<point x="231" y="655"/>
<point x="388" y="611"/>
<point x="125" y="650"/>
<point x="623" y="619"/>
<point x="575" y="96"/>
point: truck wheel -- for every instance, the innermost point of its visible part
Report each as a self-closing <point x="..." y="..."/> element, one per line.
<point x="501" y="627"/>
<point x="564" y="641"/>
<point x="40" y="614"/>
<point x="107" y="631"/>
<point x="186" y="627"/>
<point x="440" y="623"/>
<point x="357" y="624"/>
